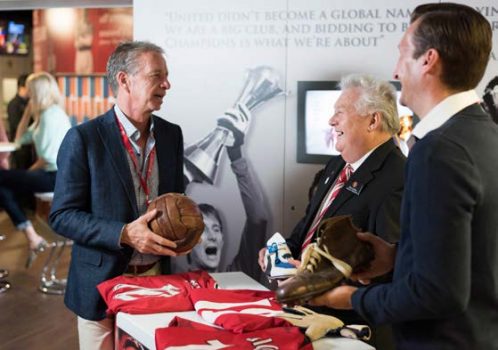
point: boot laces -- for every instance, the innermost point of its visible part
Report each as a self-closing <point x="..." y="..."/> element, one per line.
<point x="313" y="255"/>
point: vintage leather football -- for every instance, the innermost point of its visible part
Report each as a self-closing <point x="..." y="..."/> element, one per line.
<point x="179" y="219"/>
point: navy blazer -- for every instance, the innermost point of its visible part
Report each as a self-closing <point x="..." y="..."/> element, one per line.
<point x="372" y="196"/>
<point x="444" y="293"/>
<point x="94" y="198"/>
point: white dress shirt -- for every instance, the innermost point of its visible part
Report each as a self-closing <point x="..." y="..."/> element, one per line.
<point x="443" y="111"/>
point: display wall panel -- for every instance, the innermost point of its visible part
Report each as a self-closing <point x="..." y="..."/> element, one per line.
<point x="217" y="57"/>
<point x="209" y="47"/>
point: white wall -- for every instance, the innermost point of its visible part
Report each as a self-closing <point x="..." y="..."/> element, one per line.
<point x="210" y="45"/>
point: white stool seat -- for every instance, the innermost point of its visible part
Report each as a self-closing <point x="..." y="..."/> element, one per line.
<point x="45" y="196"/>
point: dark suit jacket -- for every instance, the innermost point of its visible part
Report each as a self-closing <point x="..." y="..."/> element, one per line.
<point x="374" y="202"/>
<point x="94" y="198"/>
<point x="444" y="294"/>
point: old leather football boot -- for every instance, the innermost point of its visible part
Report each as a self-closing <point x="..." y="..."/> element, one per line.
<point x="336" y="254"/>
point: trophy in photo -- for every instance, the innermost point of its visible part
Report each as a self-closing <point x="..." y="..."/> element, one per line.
<point x="202" y="158"/>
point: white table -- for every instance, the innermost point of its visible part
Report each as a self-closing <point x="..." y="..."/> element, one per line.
<point x="142" y="327"/>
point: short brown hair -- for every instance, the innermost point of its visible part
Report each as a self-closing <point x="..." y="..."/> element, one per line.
<point x="461" y="36"/>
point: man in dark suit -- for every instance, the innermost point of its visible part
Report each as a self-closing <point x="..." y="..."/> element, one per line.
<point x="444" y="290"/>
<point x="365" y="120"/>
<point x="109" y="170"/>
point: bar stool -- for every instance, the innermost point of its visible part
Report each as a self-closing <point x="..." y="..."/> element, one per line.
<point x="3" y="272"/>
<point x="4" y="284"/>
<point x="49" y="282"/>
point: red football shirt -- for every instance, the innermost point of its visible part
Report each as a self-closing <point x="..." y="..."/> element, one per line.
<point x="183" y="334"/>
<point x="153" y="294"/>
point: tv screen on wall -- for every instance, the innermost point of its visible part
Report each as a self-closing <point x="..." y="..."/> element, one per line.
<point x="15" y="33"/>
<point x="315" y="106"/>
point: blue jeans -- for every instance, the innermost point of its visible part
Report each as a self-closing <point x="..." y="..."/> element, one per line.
<point x="16" y="182"/>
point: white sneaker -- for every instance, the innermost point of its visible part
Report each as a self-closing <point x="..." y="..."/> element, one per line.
<point x="277" y="258"/>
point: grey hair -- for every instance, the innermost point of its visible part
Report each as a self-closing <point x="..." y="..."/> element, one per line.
<point x="125" y="59"/>
<point x="375" y="96"/>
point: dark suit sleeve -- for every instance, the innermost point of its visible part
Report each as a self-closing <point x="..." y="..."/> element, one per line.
<point x="432" y="274"/>
<point x="71" y="214"/>
<point x="294" y="241"/>
<point x="296" y="238"/>
<point x="387" y="218"/>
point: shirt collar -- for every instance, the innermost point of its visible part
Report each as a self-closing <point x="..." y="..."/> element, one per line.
<point x="359" y="162"/>
<point x="443" y="111"/>
<point x="130" y="130"/>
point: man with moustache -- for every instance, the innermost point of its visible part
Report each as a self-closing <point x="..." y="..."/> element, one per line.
<point x="110" y="168"/>
<point x="444" y="289"/>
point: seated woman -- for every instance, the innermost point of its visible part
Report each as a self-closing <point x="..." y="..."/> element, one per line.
<point x="50" y="124"/>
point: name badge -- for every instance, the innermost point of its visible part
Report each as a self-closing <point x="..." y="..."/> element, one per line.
<point x="355" y="187"/>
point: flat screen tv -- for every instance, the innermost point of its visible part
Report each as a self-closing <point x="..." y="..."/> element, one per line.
<point x="15" y="33"/>
<point x="315" y="106"/>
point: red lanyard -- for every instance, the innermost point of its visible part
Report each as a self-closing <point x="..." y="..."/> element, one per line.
<point x="150" y="162"/>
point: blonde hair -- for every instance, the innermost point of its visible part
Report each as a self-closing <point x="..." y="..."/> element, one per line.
<point x="43" y="91"/>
